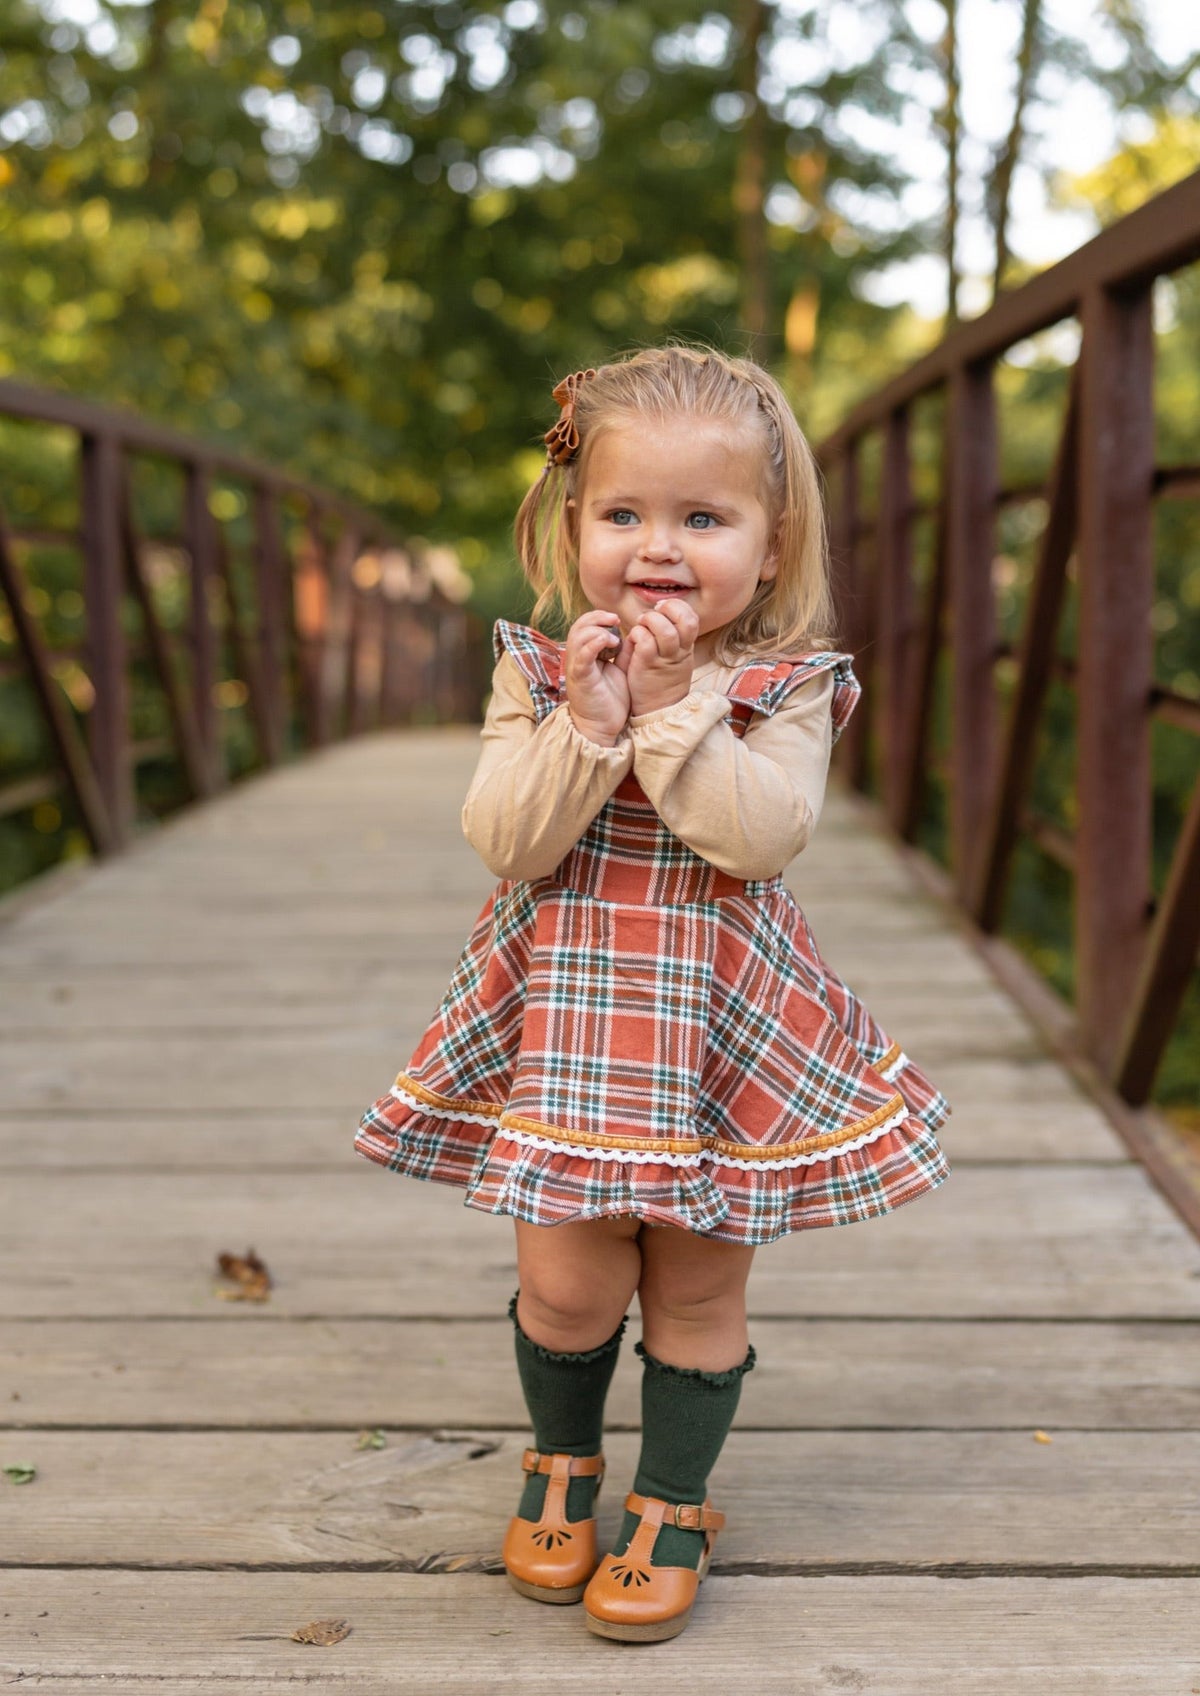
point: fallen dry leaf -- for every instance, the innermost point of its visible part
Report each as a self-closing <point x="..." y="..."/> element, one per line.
<point x="1042" y="1437"/>
<point x="248" y="1273"/>
<point x="323" y="1632"/>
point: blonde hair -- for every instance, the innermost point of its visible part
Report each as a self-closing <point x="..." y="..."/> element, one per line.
<point x="791" y="612"/>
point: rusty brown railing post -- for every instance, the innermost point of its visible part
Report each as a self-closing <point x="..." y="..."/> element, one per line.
<point x="970" y="532"/>
<point x="852" y="586"/>
<point x="1116" y="587"/>
<point x="334" y="657"/>
<point x="202" y="635"/>
<point x="895" y="607"/>
<point x="103" y="577"/>
<point x="270" y="579"/>
<point x="310" y="603"/>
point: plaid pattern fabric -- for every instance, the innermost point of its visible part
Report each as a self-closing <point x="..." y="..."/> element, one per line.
<point x="640" y="1033"/>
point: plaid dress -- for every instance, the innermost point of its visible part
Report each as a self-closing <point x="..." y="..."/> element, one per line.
<point x="640" y="1033"/>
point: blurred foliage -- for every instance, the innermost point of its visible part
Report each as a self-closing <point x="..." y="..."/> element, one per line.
<point x="362" y="242"/>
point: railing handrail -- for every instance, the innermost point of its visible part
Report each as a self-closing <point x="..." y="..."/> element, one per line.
<point x="88" y="418"/>
<point x="1160" y="237"/>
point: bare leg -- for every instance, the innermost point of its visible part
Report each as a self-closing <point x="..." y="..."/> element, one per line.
<point x="693" y="1299"/>
<point x="577" y="1281"/>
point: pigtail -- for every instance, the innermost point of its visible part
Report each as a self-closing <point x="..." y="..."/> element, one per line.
<point x="546" y="546"/>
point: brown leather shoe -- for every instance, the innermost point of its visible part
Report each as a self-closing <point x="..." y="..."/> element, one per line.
<point x="553" y="1560"/>
<point x="636" y="1602"/>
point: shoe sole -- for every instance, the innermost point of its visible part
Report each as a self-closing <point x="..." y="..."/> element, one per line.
<point x="653" y="1631"/>
<point x="559" y="1597"/>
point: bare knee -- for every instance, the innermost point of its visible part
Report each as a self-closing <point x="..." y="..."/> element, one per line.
<point x="575" y="1293"/>
<point x="693" y="1300"/>
<point x="697" y="1309"/>
<point x="557" y="1315"/>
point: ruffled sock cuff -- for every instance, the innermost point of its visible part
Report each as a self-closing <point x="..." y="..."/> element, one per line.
<point x="582" y="1357"/>
<point x="717" y="1379"/>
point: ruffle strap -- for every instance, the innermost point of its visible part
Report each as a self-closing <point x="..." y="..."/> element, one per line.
<point x="539" y="659"/>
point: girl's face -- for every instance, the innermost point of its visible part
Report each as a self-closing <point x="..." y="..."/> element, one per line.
<point x="673" y="511"/>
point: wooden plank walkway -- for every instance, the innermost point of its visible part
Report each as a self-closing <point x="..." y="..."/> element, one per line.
<point x="188" y="1035"/>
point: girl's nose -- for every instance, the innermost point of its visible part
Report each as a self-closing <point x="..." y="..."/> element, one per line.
<point x="660" y="544"/>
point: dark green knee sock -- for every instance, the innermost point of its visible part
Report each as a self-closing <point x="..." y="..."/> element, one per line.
<point x="686" y="1415"/>
<point x="565" y="1397"/>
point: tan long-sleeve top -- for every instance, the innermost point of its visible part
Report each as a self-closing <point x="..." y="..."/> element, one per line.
<point x="748" y="807"/>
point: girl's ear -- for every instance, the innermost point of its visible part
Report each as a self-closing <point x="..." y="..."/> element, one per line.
<point x="770" y="565"/>
<point x="572" y="511"/>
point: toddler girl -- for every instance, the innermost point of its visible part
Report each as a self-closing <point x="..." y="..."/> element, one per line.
<point x="642" y="1056"/>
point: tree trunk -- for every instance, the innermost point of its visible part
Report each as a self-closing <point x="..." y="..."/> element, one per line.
<point x="749" y="189"/>
<point x="950" y="124"/>
<point x="1006" y="160"/>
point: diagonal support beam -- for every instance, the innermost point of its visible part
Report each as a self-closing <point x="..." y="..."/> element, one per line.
<point x="68" y="744"/>
<point x="1034" y="671"/>
<point x="1167" y="969"/>
<point x="187" y="741"/>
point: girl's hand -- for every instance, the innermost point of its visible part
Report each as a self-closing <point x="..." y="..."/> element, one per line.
<point x="597" y="690"/>
<point x="662" y="652"/>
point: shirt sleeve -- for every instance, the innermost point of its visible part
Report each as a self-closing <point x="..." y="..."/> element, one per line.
<point x="749" y="806"/>
<point x="537" y="787"/>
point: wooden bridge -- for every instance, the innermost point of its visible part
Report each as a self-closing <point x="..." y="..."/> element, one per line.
<point x="967" y="1461"/>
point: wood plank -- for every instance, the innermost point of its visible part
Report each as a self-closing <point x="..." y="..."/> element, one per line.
<point x="316" y="1064"/>
<point x="175" y="1138"/>
<point x="469" y="1635"/>
<point x="1011" y="1242"/>
<point x="980" y="1499"/>
<point x="260" y="993"/>
<point x="227" y="1373"/>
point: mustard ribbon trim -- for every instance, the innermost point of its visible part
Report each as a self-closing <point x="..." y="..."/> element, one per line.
<point x="668" y="1145"/>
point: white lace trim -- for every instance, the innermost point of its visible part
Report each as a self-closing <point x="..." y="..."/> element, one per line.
<point x="455" y="1113"/>
<point x="649" y="1156"/>
<point x="897" y="1065"/>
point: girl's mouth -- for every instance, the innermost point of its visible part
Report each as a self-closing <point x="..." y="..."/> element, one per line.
<point x="651" y="591"/>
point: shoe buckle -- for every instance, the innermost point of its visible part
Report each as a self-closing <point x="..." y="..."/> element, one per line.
<point x="531" y="1460"/>
<point x="687" y="1517"/>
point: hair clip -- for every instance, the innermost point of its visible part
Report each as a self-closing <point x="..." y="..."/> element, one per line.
<point x="562" y="440"/>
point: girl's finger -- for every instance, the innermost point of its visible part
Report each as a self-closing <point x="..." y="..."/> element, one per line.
<point x="682" y="617"/>
<point x="589" y="622"/>
<point x="594" y="639"/>
<point x="664" y="632"/>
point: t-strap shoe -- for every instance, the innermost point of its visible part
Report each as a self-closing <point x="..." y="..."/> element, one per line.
<point x="553" y="1560"/>
<point x="636" y="1602"/>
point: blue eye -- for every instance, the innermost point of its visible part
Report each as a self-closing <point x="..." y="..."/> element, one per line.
<point x="621" y="514"/>
<point x="709" y="520"/>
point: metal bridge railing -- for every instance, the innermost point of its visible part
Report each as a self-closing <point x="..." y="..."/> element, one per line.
<point x="1134" y="949"/>
<point x="247" y="616"/>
